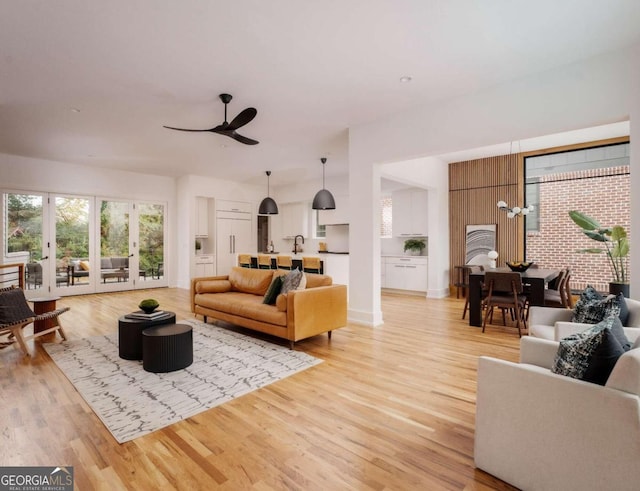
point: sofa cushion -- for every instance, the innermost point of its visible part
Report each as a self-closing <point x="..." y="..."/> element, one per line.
<point x="303" y="282"/>
<point x="243" y="305"/>
<point x="291" y="281"/>
<point x="315" y="280"/>
<point x="119" y="262"/>
<point x="281" y="302"/>
<point x="84" y="265"/>
<point x="575" y="351"/>
<point x="213" y="286"/>
<point x="624" y="309"/>
<point x="273" y="291"/>
<point x="255" y="281"/>
<point x="105" y="263"/>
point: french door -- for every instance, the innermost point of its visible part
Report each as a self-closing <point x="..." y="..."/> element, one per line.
<point x="80" y="244"/>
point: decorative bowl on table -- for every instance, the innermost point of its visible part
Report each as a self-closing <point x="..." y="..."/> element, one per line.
<point x="519" y="266"/>
<point x="148" y="305"/>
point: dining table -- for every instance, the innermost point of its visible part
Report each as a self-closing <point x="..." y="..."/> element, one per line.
<point x="534" y="281"/>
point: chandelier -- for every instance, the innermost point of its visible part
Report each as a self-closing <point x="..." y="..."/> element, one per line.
<point x="515" y="211"/>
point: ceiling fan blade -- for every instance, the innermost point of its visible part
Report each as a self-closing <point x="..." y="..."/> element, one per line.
<point x="243" y="118"/>
<point x="185" y="129"/>
<point x="243" y="139"/>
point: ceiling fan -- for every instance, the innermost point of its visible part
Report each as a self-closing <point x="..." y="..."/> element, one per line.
<point x="229" y="129"/>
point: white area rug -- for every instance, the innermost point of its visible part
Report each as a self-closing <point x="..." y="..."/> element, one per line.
<point x="132" y="403"/>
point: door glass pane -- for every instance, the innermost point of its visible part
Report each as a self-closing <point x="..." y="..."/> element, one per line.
<point x="72" y="239"/>
<point x="23" y="232"/>
<point x="151" y="240"/>
<point x="114" y="241"/>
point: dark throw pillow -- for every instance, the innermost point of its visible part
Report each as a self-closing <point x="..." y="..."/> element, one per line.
<point x="273" y="291"/>
<point x="624" y="309"/>
<point x="618" y="331"/>
<point x="291" y="281"/>
<point x="14" y="307"/>
<point x="604" y="357"/>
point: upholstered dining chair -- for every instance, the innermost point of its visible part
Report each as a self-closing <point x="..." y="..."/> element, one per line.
<point x="264" y="261"/>
<point x="15" y="315"/>
<point x="505" y="292"/>
<point x="284" y="262"/>
<point x="310" y="264"/>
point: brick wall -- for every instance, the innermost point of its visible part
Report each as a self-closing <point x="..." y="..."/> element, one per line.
<point x="602" y="194"/>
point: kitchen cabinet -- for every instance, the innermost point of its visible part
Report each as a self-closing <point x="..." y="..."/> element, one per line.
<point x="337" y="266"/>
<point x="205" y="265"/>
<point x="409" y="213"/>
<point x="233" y="206"/>
<point x="202" y="217"/>
<point x="233" y="236"/>
<point x="405" y="273"/>
<point x="294" y="218"/>
<point x="339" y="216"/>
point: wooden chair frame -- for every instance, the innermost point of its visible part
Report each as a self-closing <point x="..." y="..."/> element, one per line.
<point x="505" y="292"/>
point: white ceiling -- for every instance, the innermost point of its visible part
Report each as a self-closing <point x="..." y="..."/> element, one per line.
<point x="312" y="69"/>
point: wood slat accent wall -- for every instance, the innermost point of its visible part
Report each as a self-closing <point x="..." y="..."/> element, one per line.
<point x="475" y="186"/>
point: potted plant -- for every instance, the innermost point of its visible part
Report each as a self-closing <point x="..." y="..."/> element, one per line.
<point x="616" y="247"/>
<point x="414" y="246"/>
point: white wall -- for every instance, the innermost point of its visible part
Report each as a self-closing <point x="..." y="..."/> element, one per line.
<point x="28" y="174"/>
<point x="591" y="93"/>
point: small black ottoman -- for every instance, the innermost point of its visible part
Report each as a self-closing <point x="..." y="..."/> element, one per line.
<point x="167" y="348"/>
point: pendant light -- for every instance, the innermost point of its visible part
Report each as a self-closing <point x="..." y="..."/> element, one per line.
<point x="268" y="205"/>
<point x="323" y="199"/>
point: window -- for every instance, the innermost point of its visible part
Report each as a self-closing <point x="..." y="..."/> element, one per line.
<point x="386" y="216"/>
<point x="592" y="180"/>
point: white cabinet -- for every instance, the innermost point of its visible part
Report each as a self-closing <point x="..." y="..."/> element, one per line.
<point x="202" y="217"/>
<point x="234" y="206"/>
<point x="339" y="216"/>
<point x="405" y="273"/>
<point x="294" y="218"/>
<point x="233" y="236"/>
<point x="337" y="266"/>
<point x="205" y="265"/>
<point x="409" y="213"/>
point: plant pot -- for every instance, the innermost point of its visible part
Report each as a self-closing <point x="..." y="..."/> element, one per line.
<point x="413" y="252"/>
<point x="615" y="288"/>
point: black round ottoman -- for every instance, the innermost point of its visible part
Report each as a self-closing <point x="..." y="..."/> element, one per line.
<point x="130" y="333"/>
<point x="167" y="348"/>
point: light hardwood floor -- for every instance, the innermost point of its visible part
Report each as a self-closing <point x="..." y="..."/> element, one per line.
<point x="391" y="407"/>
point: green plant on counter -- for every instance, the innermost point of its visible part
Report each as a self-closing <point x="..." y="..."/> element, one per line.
<point x="414" y="245"/>
<point x="614" y="239"/>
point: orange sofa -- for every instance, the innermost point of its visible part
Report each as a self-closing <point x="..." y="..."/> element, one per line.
<point x="299" y="314"/>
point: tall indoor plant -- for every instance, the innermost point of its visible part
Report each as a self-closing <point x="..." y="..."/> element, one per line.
<point x="616" y="247"/>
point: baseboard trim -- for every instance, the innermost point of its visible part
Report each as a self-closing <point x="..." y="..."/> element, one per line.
<point x="364" y="318"/>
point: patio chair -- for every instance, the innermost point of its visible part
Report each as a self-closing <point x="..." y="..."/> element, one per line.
<point x="15" y="315"/>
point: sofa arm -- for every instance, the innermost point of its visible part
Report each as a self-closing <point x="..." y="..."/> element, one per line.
<point x="537" y="430"/>
<point x="316" y="310"/>
<point x="194" y="281"/>
<point x="548" y="316"/>
<point x="537" y="351"/>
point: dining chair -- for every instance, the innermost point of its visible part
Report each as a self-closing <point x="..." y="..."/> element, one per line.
<point x="560" y="297"/>
<point x="505" y="292"/>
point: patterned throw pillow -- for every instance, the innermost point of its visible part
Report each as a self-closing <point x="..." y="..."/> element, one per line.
<point x="291" y="281"/>
<point x="273" y="291"/>
<point x="575" y="351"/>
<point x="594" y="311"/>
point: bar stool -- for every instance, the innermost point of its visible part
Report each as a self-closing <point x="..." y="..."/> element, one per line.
<point x="310" y="264"/>
<point x="264" y="261"/>
<point x="283" y="262"/>
<point x="244" y="260"/>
